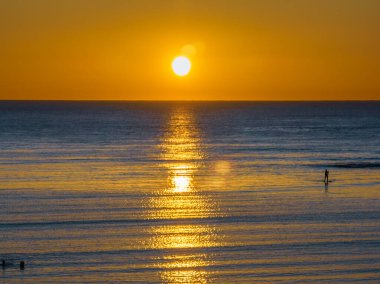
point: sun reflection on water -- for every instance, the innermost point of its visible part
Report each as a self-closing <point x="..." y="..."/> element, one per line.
<point x="181" y="183"/>
<point x="181" y="151"/>
<point x="182" y="241"/>
<point x="181" y="178"/>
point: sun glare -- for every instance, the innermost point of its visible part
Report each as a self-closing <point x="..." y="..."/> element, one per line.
<point x="181" y="66"/>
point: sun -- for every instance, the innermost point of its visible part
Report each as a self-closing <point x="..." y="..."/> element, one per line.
<point x="181" y="66"/>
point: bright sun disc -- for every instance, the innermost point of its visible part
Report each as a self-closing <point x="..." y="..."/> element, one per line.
<point x="181" y="66"/>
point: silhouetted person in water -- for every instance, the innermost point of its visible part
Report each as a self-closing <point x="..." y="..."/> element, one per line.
<point x="326" y="176"/>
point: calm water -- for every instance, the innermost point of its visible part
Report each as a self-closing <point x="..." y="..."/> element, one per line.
<point x="190" y="192"/>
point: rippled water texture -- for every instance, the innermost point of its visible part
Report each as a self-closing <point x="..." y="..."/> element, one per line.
<point x="190" y="192"/>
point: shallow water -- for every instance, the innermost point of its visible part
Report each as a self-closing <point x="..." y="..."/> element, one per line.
<point x="190" y="192"/>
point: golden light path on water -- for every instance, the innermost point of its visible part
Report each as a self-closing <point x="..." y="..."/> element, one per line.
<point x="182" y="241"/>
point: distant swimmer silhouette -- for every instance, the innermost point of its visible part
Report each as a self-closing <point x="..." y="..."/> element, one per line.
<point x="326" y="177"/>
<point x="6" y="264"/>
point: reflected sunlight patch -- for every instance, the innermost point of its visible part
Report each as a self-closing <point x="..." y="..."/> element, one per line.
<point x="181" y="183"/>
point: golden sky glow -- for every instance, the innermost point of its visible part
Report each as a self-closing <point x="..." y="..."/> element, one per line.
<point x="243" y="49"/>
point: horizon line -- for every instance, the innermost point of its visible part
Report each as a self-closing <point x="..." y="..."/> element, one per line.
<point x="143" y="100"/>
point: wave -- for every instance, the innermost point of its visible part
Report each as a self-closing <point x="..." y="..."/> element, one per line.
<point x="356" y="165"/>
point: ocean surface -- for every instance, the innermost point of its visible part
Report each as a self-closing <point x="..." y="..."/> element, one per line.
<point x="180" y="192"/>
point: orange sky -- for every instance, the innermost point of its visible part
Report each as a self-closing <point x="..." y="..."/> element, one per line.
<point x="245" y="49"/>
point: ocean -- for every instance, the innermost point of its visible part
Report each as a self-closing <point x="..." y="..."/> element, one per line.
<point x="189" y="192"/>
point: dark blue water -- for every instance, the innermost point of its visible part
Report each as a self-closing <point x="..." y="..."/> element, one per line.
<point x="190" y="192"/>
